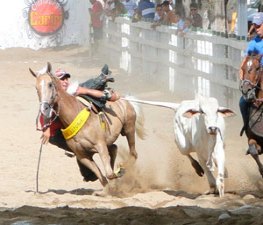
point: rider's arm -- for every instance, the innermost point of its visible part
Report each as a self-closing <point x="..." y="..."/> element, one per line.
<point x="108" y="94"/>
<point x="45" y="135"/>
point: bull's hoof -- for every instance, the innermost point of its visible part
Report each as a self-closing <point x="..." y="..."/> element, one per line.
<point x="198" y="169"/>
<point x="212" y="191"/>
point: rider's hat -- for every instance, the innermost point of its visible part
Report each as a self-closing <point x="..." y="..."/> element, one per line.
<point x="61" y="74"/>
<point x="258" y="18"/>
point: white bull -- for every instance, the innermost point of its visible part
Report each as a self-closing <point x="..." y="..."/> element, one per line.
<point x="199" y="127"/>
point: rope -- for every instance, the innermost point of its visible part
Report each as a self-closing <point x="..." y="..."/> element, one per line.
<point x="38" y="165"/>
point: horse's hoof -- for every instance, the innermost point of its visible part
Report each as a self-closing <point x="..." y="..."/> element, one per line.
<point x="134" y="154"/>
<point x="120" y="171"/>
<point x="112" y="176"/>
<point x="101" y="193"/>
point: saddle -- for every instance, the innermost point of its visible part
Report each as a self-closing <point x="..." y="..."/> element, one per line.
<point x="104" y="121"/>
<point x="256" y="120"/>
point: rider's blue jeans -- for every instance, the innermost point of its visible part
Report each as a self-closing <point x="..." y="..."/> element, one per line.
<point x="244" y="109"/>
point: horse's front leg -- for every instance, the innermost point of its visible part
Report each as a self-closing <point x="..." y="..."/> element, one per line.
<point x="253" y="151"/>
<point x="89" y="163"/>
<point x="106" y="160"/>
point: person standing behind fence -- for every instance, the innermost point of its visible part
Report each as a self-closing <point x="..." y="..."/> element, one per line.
<point x="197" y="20"/>
<point x="96" y="15"/>
<point x="146" y="10"/>
<point x="169" y="17"/>
<point x="130" y="6"/>
<point x="158" y="17"/>
<point x="186" y="28"/>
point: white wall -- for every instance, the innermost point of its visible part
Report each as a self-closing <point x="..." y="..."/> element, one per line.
<point x="15" y="31"/>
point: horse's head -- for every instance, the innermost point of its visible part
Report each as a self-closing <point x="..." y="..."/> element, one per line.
<point x="46" y="89"/>
<point x="251" y="70"/>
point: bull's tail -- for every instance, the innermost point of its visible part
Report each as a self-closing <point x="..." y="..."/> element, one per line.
<point x="139" y="123"/>
<point x="169" y="105"/>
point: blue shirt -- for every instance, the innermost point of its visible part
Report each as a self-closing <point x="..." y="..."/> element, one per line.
<point x="147" y="9"/>
<point x="255" y="46"/>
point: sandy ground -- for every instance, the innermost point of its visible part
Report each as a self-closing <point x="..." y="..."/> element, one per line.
<point x="160" y="188"/>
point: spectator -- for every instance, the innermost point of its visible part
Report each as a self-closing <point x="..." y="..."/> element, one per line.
<point x="146" y="10"/>
<point x="186" y="28"/>
<point x="169" y="17"/>
<point x="96" y="15"/>
<point x="158" y="17"/>
<point x="119" y="8"/>
<point x="159" y="13"/>
<point x="179" y="21"/>
<point x="114" y="8"/>
<point x="130" y="6"/>
<point x="197" y="20"/>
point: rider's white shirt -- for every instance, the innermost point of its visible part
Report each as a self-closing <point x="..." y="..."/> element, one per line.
<point x="72" y="88"/>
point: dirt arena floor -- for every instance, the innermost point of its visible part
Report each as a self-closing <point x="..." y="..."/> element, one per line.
<point x="160" y="188"/>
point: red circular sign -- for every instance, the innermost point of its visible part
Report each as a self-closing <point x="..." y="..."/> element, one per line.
<point x="46" y="16"/>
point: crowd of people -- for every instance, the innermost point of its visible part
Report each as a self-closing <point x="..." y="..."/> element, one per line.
<point x="164" y="13"/>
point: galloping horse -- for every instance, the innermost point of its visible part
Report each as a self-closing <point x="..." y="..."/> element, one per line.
<point x="122" y="117"/>
<point x="252" y="90"/>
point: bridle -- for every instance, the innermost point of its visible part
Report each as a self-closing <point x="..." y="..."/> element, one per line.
<point x="247" y="87"/>
<point x="47" y="106"/>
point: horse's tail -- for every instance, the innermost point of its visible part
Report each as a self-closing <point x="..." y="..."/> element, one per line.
<point x="169" y="105"/>
<point x="139" y="123"/>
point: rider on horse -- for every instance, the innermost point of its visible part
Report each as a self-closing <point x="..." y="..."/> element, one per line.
<point x="255" y="47"/>
<point x="93" y="88"/>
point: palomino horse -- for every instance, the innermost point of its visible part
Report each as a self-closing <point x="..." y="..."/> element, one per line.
<point x="122" y="117"/>
<point x="251" y="88"/>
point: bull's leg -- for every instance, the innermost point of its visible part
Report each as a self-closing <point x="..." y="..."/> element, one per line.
<point x="219" y="156"/>
<point x="198" y="169"/>
<point x="210" y="177"/>
<point x="106" y="160"/>
<point x="252" y="150"/>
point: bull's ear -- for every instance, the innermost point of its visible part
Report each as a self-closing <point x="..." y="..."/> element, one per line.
<point x="225" y="112"/>
<point x="49" y="67"/>
<point x="32" y="72"/>
<point x="191" y="112"/>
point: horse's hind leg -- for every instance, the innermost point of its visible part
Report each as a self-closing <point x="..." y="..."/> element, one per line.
<point x="113" y="154"/>
<point x="252" y="150"/>
<point x="129" y="131"/>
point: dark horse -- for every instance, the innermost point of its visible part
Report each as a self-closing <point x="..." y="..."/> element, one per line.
<point x="252" y="91"/>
